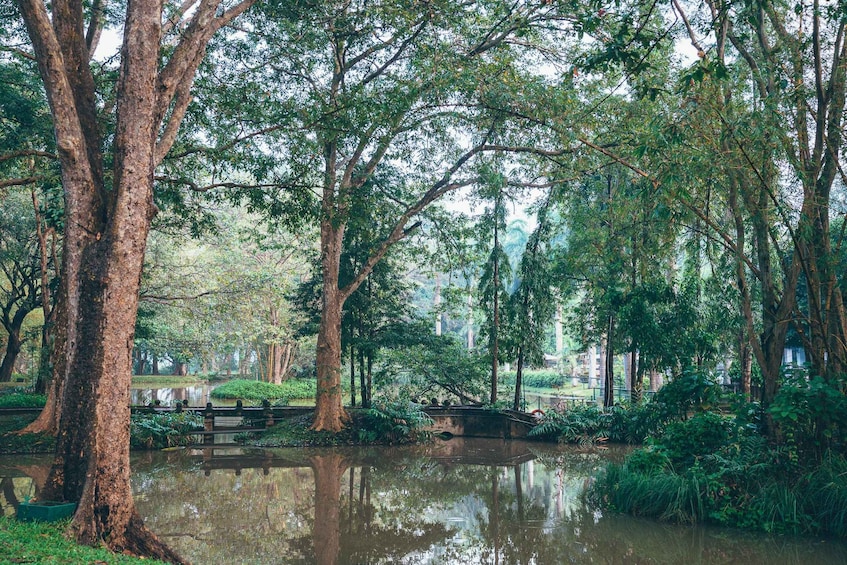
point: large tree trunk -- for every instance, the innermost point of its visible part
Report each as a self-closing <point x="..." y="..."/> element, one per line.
<point x="105" y="236"/>
<point x="329" y="410"/>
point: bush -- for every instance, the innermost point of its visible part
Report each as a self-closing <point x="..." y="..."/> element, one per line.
<point x="580" y="424"/>
<point x="690" y="391"/>
<point x="158" y="431"/>
<point x="686" y="441"/>
<point x="634" y="423"/>
<point x="20" y="399"/>
<point x="537" y="378"/>
<point x="256" y="391"/>
<point x="394" y="422"/>
<point x="811" y="414"/>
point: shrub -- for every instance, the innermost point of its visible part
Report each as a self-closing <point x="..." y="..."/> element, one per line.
<point x="580" y="424"/>
<point x="537" y="378"/>
<point x="692" y="390"/>
<point x="812" y="415"/>
<point x="394" y="422"/>
<point x="634" y="423"/>
<point x="158" y="431"/>
<point x="256" y="391"/>
<point x="686" y="441"/>
<point x="20" y="399"/>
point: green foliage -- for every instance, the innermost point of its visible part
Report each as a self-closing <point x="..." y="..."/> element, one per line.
<point x="39" y="542"/>
<point x="580" y="424"/>
<point x="158" y="431"/>
<point x="686" y="441"/>
<point x="257" y="391"/>
<point x="811" y="414"/>
<point x="634" y="423"/>
<point x="438" y="368"/>
<point x="17" y="398"/>
<point x="537" y="378"/>
<point x="394" y="423"/>
<point x="692" y="390"/>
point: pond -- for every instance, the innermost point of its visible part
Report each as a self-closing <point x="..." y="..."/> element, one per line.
<point x="458" y="501"/>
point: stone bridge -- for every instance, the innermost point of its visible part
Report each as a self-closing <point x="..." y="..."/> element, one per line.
<point x="472" y="421"/>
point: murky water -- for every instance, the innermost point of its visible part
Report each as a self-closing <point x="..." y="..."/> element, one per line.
<point x="459" y="501"/>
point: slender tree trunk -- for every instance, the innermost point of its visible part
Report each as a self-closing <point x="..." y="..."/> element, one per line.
<point x="353" y="376"/>
<point x="609" y="362"/>
<point x="369" y="385"/>
<point x="518" y="380"/>
<point x="495" y="327"/>
<point x="13" y="348"/>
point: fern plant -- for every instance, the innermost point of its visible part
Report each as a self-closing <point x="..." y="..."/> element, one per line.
<point x="394" y="422"/>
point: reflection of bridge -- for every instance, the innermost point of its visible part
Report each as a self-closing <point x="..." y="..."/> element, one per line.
<point x="482" y="452"/>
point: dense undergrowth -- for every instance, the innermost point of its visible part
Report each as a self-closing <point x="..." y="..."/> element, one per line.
<point x="704" y="466"/>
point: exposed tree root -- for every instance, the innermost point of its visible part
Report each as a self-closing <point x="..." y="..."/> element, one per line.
<point x="137" y="540"/>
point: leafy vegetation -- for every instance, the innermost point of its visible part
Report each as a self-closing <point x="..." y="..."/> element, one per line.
<point x="257" y="391"/>
<point x="537" y="378"/>
<point x="722" y="469"/>
<point x="159" y="431"/>
<point x="394" y="423"/>
<point x="20" y="398"/>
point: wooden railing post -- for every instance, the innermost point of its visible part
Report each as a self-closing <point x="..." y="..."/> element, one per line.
<point x="269" y="413"/>
<point x="209" y="424"/>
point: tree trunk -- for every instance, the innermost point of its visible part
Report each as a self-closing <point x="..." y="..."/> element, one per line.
<point x="329" y="411"/>
<point x="106" y="227"/>
<point x="516" y="405"/>
<point x="13" y="348"/>
<point x="353" y="376"/>
<point x="609" y="363"/>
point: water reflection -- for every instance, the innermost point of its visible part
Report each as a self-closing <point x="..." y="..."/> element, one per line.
<point x="462" y="501"/>
<point x="197" y="395"/>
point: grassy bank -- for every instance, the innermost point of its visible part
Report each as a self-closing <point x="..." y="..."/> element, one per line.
<point x="35" y="542"/>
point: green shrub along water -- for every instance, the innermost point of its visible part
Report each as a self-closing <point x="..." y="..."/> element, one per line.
<point x="160" y="431"/>
<point x="256" y="391"/>
<point x="701" y="466"/>
<point x="394" y="423"/>
<point x="17" y="397"/>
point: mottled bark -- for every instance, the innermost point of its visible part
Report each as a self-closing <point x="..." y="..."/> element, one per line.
<point x="105" y="236"/>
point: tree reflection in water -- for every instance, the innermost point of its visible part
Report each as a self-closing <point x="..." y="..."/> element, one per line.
<point x="467" y="502"/>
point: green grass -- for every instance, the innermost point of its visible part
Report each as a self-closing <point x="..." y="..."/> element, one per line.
<point x="35" y="542"/>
